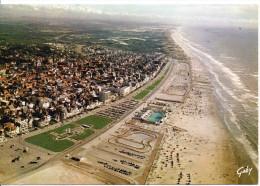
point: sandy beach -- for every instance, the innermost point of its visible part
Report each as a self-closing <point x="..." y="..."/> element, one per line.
<point x="195" y="141"/>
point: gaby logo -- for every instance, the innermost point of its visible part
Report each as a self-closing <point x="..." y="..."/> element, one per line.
<point x="243" y="170"/>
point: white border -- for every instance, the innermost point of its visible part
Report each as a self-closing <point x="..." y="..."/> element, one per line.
<point x="129" y="2"/>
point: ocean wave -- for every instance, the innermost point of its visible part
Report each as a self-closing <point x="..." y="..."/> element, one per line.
<point x="235" y="79"/>
<point x="227" y="84"/>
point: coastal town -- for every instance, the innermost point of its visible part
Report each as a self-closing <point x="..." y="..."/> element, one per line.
<point x="41" y="90"/>
<point x="128" y="94"/>
<point x="106" y="116"/>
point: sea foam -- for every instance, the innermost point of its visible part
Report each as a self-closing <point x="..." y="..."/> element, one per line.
<point x="235" y="88"/>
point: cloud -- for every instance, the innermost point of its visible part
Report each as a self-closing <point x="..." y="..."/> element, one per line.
<point x="219" y="15"/>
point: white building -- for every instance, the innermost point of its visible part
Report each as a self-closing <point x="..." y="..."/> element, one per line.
<point x="44" y="102"/>
<point x="105" y="96"/>
<point x="44" y="122"/>
<point x="123" y="91"/>
<point x="24" y="126"/>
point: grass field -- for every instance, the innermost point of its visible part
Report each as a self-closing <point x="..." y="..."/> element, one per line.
<point x="142" y="94"/>
<point x="150" y="87"/>
<point x="157" y="82"/>
<point x="167" y="70"/>
<point x="47" y="141"/>
<point x="98" y="122"/>
<point x="63" y="128"/>
<point x="162" y="77"/>
<point x="87" y="133"/>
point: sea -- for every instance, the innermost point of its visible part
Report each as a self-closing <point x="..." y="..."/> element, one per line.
<point x="230" y="56"/>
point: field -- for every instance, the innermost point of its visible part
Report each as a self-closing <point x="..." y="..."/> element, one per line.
<point x="129" y="36"/>
<point x="87" y="133"/>
<point x="157" y="82"/>
<point x="59" y="141"/>
<point x="142" y="94"/>
<point x="150" y="87"/>
<point x="63" y="128"/>
<point x="167" y="70"/>
<point x="98" y="122"/>
<point x="47" y="140"/>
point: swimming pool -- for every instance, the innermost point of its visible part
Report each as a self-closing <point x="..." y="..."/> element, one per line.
<point x="156" y="117"/>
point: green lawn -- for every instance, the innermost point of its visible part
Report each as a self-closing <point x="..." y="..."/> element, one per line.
<point x="142" y="94"/>
<point x="63" y="128"/>
<point x="47" y="141"/>
<point x="87" y="133"/>
<point x="98" y="122"/>
<point x="157" y="82"/>
<point x="167" y="69"/>
<point x="150" y="87"/>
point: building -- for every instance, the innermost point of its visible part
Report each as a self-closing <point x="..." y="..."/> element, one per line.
<point x="10" y="129"/>
<point x="23" y="125"/>
<point x="105" y="96"/>
<point x="123" y="91"/>
<point x="44" y="102"/>
<point x="2" y="134"/>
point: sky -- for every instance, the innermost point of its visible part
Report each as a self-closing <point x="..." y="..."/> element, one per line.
<point x="218" y="15"/>
<point x="245" y="15"/>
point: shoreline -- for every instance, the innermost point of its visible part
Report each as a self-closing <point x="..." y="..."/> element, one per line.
<point x="240" y="157"/>
<point x="201" y="146"/>
<point x="237" y="137"/>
